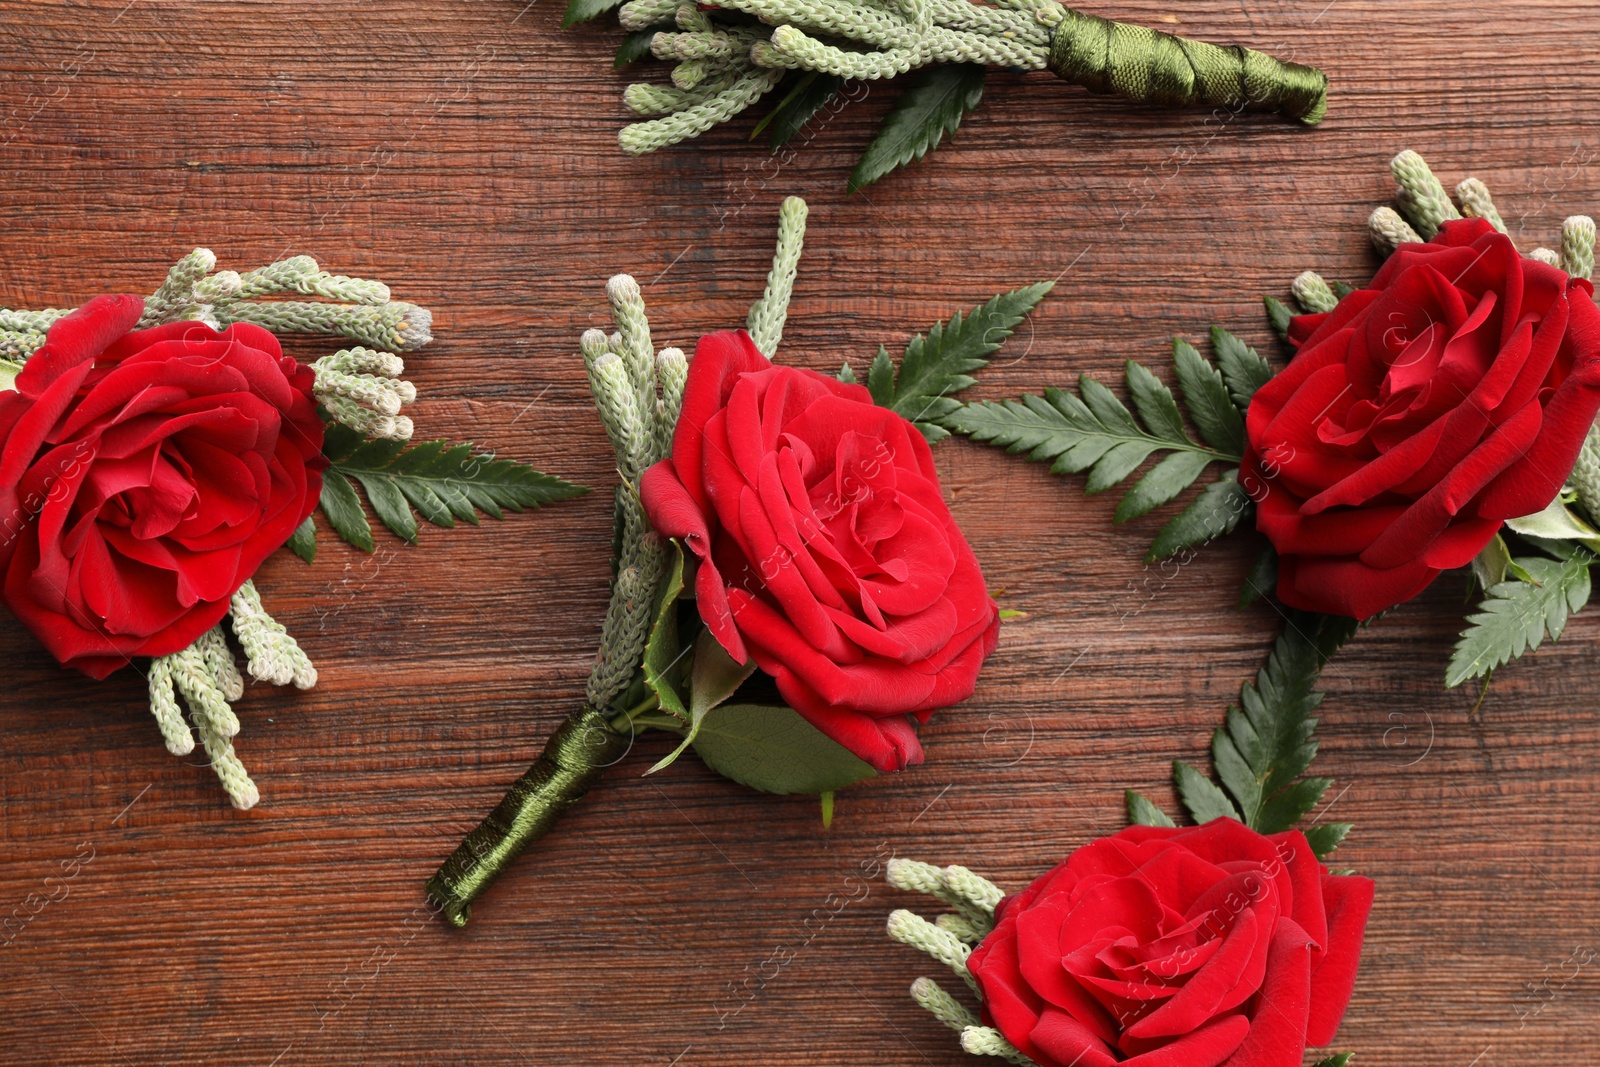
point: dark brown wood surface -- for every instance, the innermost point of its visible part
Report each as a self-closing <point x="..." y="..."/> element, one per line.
<point x="464" y="152"/>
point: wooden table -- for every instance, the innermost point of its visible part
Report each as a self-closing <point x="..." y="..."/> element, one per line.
<point x="465" y="153"/>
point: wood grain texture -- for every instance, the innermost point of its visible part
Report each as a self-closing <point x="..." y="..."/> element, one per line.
<point x="464" y="152"/>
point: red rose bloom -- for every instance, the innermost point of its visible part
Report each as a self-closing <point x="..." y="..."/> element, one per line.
<point x="1193" y="947"/>
<point x="144" y="477"/>
<point x="826" y="549"/>
<point x="1450" y="395"/>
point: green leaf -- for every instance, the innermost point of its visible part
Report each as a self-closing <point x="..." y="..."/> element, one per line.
<point x="847" y="373"/>
<point x="584" y="10"/>
<point x="1489" y="567"/>
<point x="1262" y="579"/>
<point x="1216" y="511"/>
<point x="1143" y="812"/>
<point x="343" y="508"/>
<point x="303" y="542"/>
<point x="1327" y="836"/>
<point x="880" y="378"/>
<point x="1241" y="367"/>
<point x="1279" y="315"/>
<point x="442" y="482"/>
<point x="636" y="45"/>
<point x="1341" y="1060"/>
<point x="1206" y="396"/>
<point x="827" y="810"/>
<point x="933" y="103"/>
<point x="1516" y="615"/>
<point x="1284" y="810"/>
<point x="663" y="654"/>
<point x="714" y="677"/>
<point x="1166" y="480"/>
<point x="1097" y="433"/>
<point x="1201" y="796"/>
<point x="811" y="93"/>
<point x="1557" y="523"/>
<point x="1341" y="289"/>
<point x="774" y="750"/>
<point x="937" y="366"/>
<point x="1267" y="741"/>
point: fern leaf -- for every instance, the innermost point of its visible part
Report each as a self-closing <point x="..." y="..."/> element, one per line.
<point x="442" y="482"/>
<point x="1241" y="367"/>
<point x="933" y="103"/>
<point x="1097" y="433"/>
<point x="1142" y="811"/>
<point x="939" y="365"/>
<point x="1266" y="742"/>
<point x="1516" y="615"/>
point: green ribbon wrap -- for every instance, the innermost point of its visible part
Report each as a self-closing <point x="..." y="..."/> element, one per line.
<point x="573" y="760"/>
<point x="1148" y="66"/>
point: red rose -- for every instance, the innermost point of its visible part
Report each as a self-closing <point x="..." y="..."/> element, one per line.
<point x="1452" y="394"/>
<point x="144" y="477"/>
<point x="1193" y="947"/>
<point x="826" y="549"/>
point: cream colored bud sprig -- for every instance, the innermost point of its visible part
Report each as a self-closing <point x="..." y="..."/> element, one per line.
<point x="354" y="308"/>
<point x="208" y="679"/>
<point x="362" y="389"/>
<point x="949" y="940"/>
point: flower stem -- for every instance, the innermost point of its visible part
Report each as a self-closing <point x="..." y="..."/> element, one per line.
<point x="573" y="760"/>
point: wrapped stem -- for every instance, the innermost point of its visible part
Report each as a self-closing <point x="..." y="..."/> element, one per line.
<point x="638" y="393"/>
<point x="1148" y="66"/>
<point x="573" y="760"/>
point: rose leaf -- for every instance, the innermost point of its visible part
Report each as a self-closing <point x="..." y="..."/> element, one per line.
<point x="775" y="750"/>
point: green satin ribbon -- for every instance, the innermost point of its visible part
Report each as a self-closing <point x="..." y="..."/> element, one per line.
<point x="573" y="760"/>
<point x="1149" y="66"/>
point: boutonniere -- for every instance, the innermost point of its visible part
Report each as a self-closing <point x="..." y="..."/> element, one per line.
<point x="1441" y="417"/>
<point x="154" y="452"/>
<point x="816" y="55"/>
<point x="792" y="595"/>
<point x="1226" y="942"/>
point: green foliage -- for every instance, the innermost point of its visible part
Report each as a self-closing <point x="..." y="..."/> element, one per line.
<point x="1241" y="367"/>
<point x="636" y="45"/>
<point x="1341" y="1060"/>
<point x="1142" y="811"/>
<point x="774" y="750"/>
<point x="584" y="10"/>
<point x="1279" y="315"/>
<point x="303" y="542"/>
<point x="1267" y="741"/>
<point x="933" y="103"/>
<point x="1516" y="615"/>
<point x="713" y="678"/>
<point x="443" y="482"/>
<point x="1216" y="511"/>
<point x="342" y="506"/>
<point x="811" y="93"/>
<point x="1327" y="836"/>
<point x="939" y="365"/>
<point x="1262" y="579"/>
<point x="1265" y="745"/>
<point x="1205" y="394"/>
<point x="1095" y="432"/>
<point x="663" y="653"/>
<point x="1200" y="795"/>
